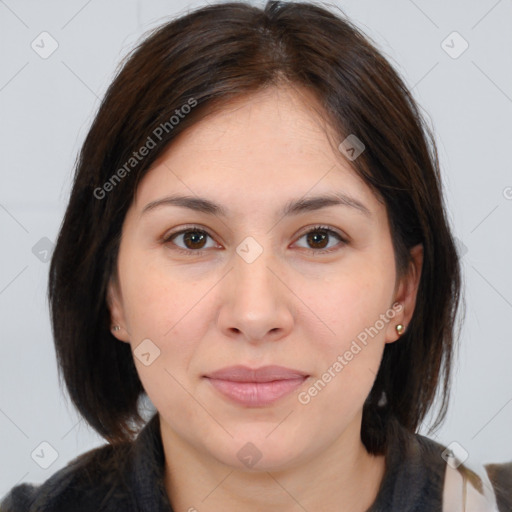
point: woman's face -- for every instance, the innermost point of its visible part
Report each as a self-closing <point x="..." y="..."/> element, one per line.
<point x="204" y="288"/>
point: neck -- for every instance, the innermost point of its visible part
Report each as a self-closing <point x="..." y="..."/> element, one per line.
<point x="342" y="477"/>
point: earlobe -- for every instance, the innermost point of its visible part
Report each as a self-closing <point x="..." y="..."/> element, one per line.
<point x="396" y="327"/>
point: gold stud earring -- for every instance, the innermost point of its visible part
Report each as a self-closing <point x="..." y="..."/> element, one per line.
<point x="399" y="329"/>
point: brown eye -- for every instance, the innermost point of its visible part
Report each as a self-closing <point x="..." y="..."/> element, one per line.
<point x="194" y="239"/>
<point x="190" y="240"/>
<point x="319" y="238"/>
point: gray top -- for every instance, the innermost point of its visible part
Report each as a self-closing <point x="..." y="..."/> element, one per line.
<point x="129" y="477"/>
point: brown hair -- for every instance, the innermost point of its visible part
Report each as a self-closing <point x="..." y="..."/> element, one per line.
<point x="203" y="59"/>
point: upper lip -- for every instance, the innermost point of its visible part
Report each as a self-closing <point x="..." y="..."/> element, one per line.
<point x="264" y="374"/>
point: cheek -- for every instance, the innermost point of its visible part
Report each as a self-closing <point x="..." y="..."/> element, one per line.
<point x="171" y="315"/>
<point x="157" y="299"/>
<point x="352" y="306"/>
<point x="347" y="353"/>
<point x="347" y="304"/>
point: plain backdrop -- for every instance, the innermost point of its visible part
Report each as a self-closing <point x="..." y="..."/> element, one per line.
<point x="47" y="103"/>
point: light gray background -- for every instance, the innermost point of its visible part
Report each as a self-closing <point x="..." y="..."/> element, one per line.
<point x="47" y="105"/>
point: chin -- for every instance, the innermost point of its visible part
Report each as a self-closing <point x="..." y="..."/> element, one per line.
<point x="259" y="451"/>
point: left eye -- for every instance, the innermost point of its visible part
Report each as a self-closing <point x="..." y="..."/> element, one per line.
<point x="319" y="237"/>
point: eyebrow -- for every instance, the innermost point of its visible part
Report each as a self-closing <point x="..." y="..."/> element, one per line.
<point x="292" y="207"/>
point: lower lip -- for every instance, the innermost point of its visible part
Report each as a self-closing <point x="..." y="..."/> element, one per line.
<point x="256" y="394"/>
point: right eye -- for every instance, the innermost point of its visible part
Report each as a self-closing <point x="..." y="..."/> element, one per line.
<point x="193" y="240"/>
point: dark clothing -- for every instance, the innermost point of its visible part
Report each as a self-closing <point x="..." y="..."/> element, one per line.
<point x="124" y="478"/>
<point x="501" y="477"/>
<point x="130" y="478"/>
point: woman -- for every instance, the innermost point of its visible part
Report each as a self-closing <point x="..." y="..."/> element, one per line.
<point x="256" y="240"/>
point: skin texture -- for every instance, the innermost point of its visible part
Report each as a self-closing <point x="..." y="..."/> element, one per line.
<point x="291" y="306"/>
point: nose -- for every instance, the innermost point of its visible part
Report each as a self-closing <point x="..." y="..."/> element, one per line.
<point x="256" y="302"/>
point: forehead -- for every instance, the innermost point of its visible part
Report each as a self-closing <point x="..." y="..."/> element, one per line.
<point x="266" y="145"/>
<point x="286" y="121"/>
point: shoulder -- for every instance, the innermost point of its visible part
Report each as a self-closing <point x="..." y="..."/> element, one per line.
<point x="500" y="476"/>
<point x="414" y="473"/>
<point x="91" y="481"/>
<point x="468" y="486"/>
<point x="422" y="471"/>
<point x="477" y="488"/>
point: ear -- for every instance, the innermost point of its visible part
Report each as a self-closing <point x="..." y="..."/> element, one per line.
<point x="406" y="294"/>
<point x="115" y="305"/>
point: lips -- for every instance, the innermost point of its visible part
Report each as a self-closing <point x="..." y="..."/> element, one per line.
<point x="256" y="387"/>
<point x="263" y="374"/>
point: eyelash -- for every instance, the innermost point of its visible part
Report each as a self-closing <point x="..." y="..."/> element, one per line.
<point x="197" y="229"/>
